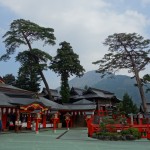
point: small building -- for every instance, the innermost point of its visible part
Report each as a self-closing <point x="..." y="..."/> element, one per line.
<point x="23" y="105"/>
<point x="16" y="103"/>
<point x="104" y="100"/>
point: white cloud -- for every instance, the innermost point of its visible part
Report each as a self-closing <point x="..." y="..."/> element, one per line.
<point x="85" y="24"/>
<point x="145" y="2"/>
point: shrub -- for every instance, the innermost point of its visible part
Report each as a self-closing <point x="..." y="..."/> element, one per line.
<point x="131" y="132"/>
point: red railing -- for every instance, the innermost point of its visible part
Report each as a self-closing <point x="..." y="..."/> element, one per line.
<point x="144" y="129"/>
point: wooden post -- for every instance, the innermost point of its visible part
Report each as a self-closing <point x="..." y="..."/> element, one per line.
<point x="4" y="121"/>
<point x="88" y="121"/>
<point x="37" y="126"/>
<point x="29" y="121"/>
<point x="44" y="121"/>
<point x="55" y="120"/>
<point x="132" y="122"/>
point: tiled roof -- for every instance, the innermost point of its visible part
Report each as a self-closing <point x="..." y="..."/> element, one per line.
<point x="83" y="102"/>
<point x="54" y="92"/>
<point x="92" y="92"/>
<point x="42" y="100"/>
<point x="76" y="91"/>
<point x="9" y="89"/>
<point x="4" y="100"/>
<point x="78" y="107"/>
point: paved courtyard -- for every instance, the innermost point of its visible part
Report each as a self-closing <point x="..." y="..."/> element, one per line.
<point x="74" y="139"/>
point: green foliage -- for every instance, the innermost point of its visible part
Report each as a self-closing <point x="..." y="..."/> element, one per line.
<point x="28" y="79"/>
<point x="132" y="131"/>
<point x="65" y="90"/>
<point x="126" y="51"/>
<point x="146" y="79"/>
<point x="129" y="134"/>
<point x="9" y="79"/>
<point x="108" y="120"/>
<point x="103" y="127"/>
<point x="105" y="121"/>
<point x="85" y="87"/>
<point x="128" y="106"/>
<point x="27" y="58"/>
<point x="66" y="63"/>
<point x="25" y="33"/>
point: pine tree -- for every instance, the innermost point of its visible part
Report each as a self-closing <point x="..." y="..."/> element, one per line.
<point x="66" y="63"/>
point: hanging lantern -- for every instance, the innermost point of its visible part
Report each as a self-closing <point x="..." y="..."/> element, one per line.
<point x="9" y="110"/>
<point x="0" y="110"/>
<point x="45" y="112"/>
<point x="79" y="113"/>
<point x="17" y="111"/>
<point x="4" y="110"/>
<point x="14" y="110"/>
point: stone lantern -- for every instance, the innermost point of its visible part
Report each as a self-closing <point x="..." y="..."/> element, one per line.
<point x="55" y="120"/>
<point x="67" y="119"/>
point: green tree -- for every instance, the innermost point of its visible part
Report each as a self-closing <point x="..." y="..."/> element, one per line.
<point x="66" y="63"/>
<point x="24" y="32"/>
<point x="128" y="105"/>
<point x="85" y="87"/>
<point x="126" y="51"/>
<point x="9" y="79"/>
<point x="146" y="80"/>
<point x="28" y="80"/>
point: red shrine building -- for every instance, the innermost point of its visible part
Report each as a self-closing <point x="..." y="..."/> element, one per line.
<point x="23" y="108"/>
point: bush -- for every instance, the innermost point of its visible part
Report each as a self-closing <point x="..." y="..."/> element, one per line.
<point x="131" y="132"/>
<point x="109" y="136"/>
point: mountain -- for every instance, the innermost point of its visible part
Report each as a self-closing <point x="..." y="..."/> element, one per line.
<point x="90" y="78"/>
<point x="119" y="84"/>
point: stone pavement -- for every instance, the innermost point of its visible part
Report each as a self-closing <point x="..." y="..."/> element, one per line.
<point x="74" y="139"/>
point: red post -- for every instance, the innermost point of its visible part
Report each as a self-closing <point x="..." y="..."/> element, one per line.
<point x="37" y="125"/>
<point x="67" y="119"/>
<point x="44" y="121"/>
<point x="67" y="123"/>
<point x="37" y="120"/>
<point x="55" y="120"/>
<point x="88" y="121"/>
<point x="4" y="121"/>
<point x="29" y="121"/>
<point x="148" y="131"/>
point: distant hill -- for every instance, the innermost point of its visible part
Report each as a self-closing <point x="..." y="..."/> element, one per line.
<point x="90" y="78"/>
<point x="119" y="85"/>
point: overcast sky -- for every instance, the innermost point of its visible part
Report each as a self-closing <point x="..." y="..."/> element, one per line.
<point x="83" y="23"/>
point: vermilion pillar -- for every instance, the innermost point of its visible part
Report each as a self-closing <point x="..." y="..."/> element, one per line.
<point x="37" y="120"/>
<point x="44" y="121"/>
<point x="29" y="121"/>
<point x="55" y="121"/>
<point x="67" y="119"/>
<point x="4" y="121"/>
<point x="88" y="121"/>
<point x="67" y="123"/>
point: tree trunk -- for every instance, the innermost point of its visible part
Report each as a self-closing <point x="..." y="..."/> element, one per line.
<point x="46" y="84"/>
<point x="140" y="87"/>
<point x="40" y="71"/>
